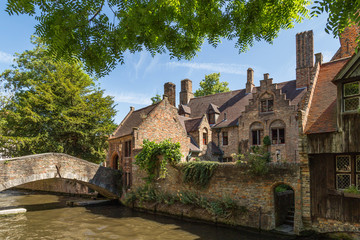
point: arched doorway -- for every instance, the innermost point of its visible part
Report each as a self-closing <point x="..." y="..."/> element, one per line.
<point x="284" y="203"/>
<point x="115" y="162"/>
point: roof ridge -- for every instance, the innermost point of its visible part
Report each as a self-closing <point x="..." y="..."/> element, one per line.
<point x="152" y="105"/>
<point x="210" y="95"/>
<point x="337" y="60"/>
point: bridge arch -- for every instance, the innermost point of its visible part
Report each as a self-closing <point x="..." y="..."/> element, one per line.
<point x="21" y="170"/>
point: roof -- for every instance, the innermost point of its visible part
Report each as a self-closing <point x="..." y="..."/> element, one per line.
<point x="233" y="103"/>
<point x="322" y="113"/>
<point x="192" y="124"/>
<point x="193" y="145"/>
<point x="185" y="109"/>
<point x="133" y="120"/>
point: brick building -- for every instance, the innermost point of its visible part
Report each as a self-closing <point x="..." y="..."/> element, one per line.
<point x="216" y="126"/>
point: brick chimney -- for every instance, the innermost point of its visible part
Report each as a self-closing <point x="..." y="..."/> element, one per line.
<point x="348" y="42"/>
<point x="304" y="58"/>
<point x="169" y="91"/>
<point x="186" y="91"/>
<point x="250" y="80"/>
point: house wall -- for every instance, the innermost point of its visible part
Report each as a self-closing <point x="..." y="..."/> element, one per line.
<point x="162" y="123"/>
<point x="282" y="111"/>
<point x="233" y="140"/>
<point x="256" y="193"/>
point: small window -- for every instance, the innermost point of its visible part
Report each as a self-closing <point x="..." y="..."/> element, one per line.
<point x="128" y="149"/>
<point x="277" y="136"/>
<point x="351" y="98"/>
<point x="211" y="117"/>
<point x="267" y="105"/>
<point x="225" y="138"/>
<point x="343" y="171"/>
<point x="205" y="138"/>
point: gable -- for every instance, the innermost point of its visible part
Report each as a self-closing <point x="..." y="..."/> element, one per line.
<point x="350" y="70"/>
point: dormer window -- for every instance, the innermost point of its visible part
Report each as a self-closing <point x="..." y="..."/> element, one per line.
<point x="267" y="105"/>
<point x="211" y="117"/>
<point x="351" y="99"/>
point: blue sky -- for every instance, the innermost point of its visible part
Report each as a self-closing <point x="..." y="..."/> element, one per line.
<point x="142" y="76"/>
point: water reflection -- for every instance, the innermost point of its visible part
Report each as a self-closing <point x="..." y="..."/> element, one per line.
<point x="48" y="217"/>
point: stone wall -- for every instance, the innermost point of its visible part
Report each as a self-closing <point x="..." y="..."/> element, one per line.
<point x="59" y="185"/>
<point x="235" y="181"/>
<point x="233" y="142"/>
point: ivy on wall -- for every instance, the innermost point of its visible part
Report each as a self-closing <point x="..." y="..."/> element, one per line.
<point x="198" y="173"/>
<point x="154" y="157"/>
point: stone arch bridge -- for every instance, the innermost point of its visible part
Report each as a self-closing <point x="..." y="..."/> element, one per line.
<point x="21" y="170"/>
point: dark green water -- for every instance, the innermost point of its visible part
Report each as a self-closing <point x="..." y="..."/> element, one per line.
<point x="48" y="217"/>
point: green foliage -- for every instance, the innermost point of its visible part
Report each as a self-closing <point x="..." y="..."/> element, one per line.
<point x="53" y="107"/>
<point x="257" y="160"/>
<point x="156" y="99"/>
<point x="224" y="207"/>
<point x="282" y="188"/>
<point x="154" y="157"/>
<point x="198" y="173"/>
<point x="211" y="85"/>
<point x="266" y="141"/>
<point x="89" y="31"/>
<point x="352" y="189"/>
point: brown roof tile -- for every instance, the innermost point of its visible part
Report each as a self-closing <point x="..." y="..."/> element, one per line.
<point x="322" y="113"/>
<point x="192" y="124"/>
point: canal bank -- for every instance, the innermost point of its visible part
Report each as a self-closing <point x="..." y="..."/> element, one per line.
<point x="49" y="217"/>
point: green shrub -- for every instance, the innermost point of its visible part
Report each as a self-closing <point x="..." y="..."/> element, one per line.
<point x="148" y="159"/>
<point x="198" y="173"/>
<point x="352" y="189"/>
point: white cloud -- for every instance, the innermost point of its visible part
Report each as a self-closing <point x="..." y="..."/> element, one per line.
<point x="133" y="98"/>
<point x="6" y="57"/>
<point x="237" y="69"/>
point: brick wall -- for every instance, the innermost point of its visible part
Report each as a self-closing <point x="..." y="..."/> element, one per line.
<point x="256" y="193"/>
<point x="233" y="140"/>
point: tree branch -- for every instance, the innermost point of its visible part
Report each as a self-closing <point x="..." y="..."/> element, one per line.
<point x="97" y="12"/>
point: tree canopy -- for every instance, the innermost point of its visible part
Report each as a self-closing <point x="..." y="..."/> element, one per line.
<point x="211" y="85"/>
<point x="53" y="107"/>
<point x="156" y="99"/>
<point x="99" y="32"/>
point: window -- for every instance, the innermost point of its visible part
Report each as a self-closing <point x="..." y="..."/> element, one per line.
<point x="277" y="130"/>
<point x="205" y="137"/>
<point x="277" y="136"/>
<point x="347" y="171"/>
<point x="257" y="132"/>
<point x="267" y="105"/>
<point x="351" y="100"/>
<point x="128" y="149"/>
<point x="225" y="138"/>
<point x="256" y="137"/>
<point x="211" y="117"/>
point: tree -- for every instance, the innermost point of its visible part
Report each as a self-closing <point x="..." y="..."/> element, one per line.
<point x="54" y="107"/>
<point x="156" y="99"/>
<point x="211" y="85"/>
<point x="99" y="32"/>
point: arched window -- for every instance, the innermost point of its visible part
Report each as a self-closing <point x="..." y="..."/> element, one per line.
<point x="277" y="129"/>
<point x="267" y="103"/>
<point x="257" y="133"/>
<point x="205" y="136"/>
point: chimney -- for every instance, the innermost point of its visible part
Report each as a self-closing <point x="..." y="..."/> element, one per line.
<point x="186" y="91"/>
<point x="169" y="91"/>
<point x="304" y="58"/>
<point x="250" y="80"/>
<point x="319" y="58"/>
<point x="348" y="41"/>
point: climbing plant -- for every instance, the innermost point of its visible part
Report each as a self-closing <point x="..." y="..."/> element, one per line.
<point x="198" y="173"/>
<point x="154" y="157"/>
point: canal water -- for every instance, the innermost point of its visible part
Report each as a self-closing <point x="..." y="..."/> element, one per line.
<point x="48" y="217"/>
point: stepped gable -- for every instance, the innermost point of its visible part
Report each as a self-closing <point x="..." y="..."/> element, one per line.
<point x="322" y="113"/>
<point x="293" y="94"/>
<point x="133" y="120"/>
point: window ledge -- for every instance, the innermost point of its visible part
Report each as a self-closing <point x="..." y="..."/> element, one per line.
<point x="350" y="112"/>
<point x="266" y="113"/>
